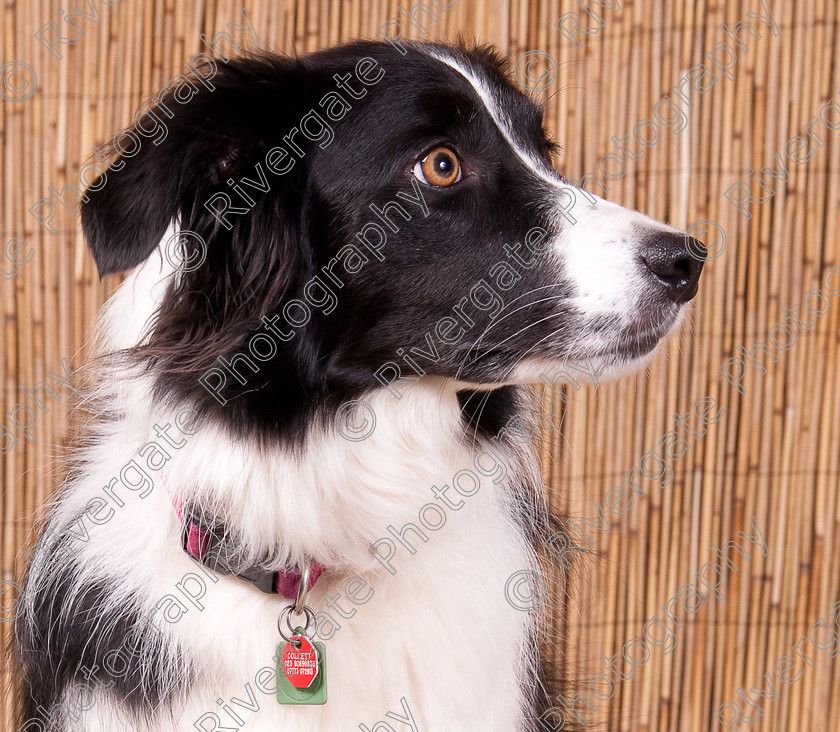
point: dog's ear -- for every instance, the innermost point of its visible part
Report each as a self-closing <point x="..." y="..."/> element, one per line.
<point x="177" y="152"/>
<point x="126" y="210"/>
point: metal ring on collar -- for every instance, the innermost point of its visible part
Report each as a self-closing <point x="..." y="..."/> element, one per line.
<point x="310" y="618"/>
<point x="303" y="588"/>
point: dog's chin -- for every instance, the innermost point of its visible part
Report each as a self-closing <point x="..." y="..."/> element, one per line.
<point x="636" y="348"/>
<point x="606" y="359"/>
<point x="622" y="362"/>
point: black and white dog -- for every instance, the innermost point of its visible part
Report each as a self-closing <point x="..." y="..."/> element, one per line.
<point x="343" y="268"/>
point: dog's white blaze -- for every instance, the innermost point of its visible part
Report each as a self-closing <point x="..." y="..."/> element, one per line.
<point x="534" y="164"/>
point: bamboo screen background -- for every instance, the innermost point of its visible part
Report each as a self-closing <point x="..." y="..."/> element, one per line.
<point x="773" y="455"/>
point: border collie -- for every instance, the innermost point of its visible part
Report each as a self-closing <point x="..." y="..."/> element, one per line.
<point x="345" y="268"/>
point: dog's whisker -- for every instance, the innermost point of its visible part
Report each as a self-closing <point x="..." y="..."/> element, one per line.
<point x="495" y="321"/>
<point x="473" y="348"/>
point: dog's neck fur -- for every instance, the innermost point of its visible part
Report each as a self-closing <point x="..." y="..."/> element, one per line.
<point x="328" y="501"/>
<point x="294" y="502"/>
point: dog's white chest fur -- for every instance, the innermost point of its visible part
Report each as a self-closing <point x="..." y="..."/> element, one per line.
<point x="438" y="632"/>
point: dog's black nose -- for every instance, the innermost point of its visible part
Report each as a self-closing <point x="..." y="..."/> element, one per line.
<point x="676" y="261"/>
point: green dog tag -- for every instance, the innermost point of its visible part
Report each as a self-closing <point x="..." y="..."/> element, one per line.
<point x="302" y="671"/>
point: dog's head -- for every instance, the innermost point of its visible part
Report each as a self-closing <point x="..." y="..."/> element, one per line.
<point x="368" y="212"/>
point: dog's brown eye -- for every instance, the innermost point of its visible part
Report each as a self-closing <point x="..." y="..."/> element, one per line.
<point x="440" y="167"/>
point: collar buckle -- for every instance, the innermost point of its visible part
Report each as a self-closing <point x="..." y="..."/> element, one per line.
<point x="214" y="547"/>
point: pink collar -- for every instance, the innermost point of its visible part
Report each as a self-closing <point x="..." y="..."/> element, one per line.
<point x="208" y="546"/>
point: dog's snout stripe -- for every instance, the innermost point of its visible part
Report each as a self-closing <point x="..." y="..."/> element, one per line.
<point x="535" y="165"/>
